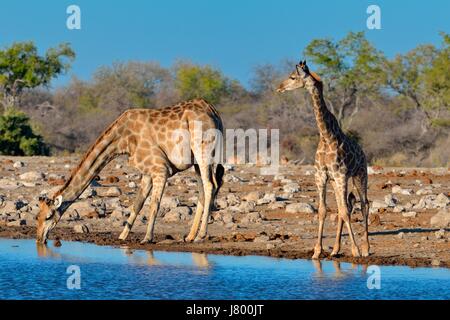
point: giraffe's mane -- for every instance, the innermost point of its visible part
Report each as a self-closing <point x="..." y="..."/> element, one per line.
<point x="315" y="76"/>
<point x="86" y="155"/>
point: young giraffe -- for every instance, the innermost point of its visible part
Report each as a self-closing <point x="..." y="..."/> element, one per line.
<point x="152" y="139"/>
<point x="338" y="158"/>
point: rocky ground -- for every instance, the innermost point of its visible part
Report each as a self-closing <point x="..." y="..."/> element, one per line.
<point x="264" y="215"/>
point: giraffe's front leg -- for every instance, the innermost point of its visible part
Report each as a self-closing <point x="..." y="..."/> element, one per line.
<point x="144" y="190"/>
<point x="199" y="211"/>
<point x="159" y="183"/>
<point x="321" y="181"/>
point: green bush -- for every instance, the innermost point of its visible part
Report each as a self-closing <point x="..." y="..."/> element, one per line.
<point x="17" y="137"/>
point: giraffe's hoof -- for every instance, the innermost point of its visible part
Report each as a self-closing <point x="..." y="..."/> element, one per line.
<point x="365" y="250"/>
<point x="189" y="239"/>
<point x="123" y="235"/>
<point x="334" y="253"/>
<point x="355" y="252"/>
<point x="146" y="241"/>
<point x="316" y="256"/>
<point x="199" y="239"/>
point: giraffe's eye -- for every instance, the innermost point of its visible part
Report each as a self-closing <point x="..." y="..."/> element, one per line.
<point x="292" y="78"/>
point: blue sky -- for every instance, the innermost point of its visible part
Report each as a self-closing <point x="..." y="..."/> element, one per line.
<point x="235" y="35"/>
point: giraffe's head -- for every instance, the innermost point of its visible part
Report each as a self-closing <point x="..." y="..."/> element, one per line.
<point x="299" y="78"/>
<point x="49" y="215"/>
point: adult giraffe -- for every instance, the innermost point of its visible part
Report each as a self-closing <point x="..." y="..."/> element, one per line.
<point x="156" y="141"/>
<point x="338" y="158"/>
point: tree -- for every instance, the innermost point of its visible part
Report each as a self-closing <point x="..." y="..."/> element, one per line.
<point x="17" y="137"/>
<point x="195" y="81"/>
<point x="351" y="68"/>
<point x="422" y="76"/>
<point x="22" y="67"/>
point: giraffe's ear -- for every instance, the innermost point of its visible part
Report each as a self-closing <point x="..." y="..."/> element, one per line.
<point x="58" y="201"/>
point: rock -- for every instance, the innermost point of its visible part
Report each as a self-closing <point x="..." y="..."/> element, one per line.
<point x="261" y="238"/>
<point x="390" y="200"/>
<point x="117" y="214"/>
<point x="89" y="192"/>
<point x="398" y="209"/>
<point x="81" y="228"/>
<point x="247" y="206"/>
<point x="18" y="164"/>
<point x="170" y="202"/>
<point x="177" y="214"/>
<point x="435" y="263"/>
<point x="82" y="207"/>
<point x="400" y="190"/>
<point x="440" y="234"/>
<point x="441" y="219"/>
<point x="270" y="246"/>
<point x="401" y="235"/>
<point x="221" y="203"/>
<point x="32" y="176"/>
<point x="441" y="201"/>
<point x="132" y="185"/>
<point x="8" y="184"/>
<point x="17" y="223"/>
<point x="421" y="192"/>
<point x="57" y="243"/>
<point x="291" y="188"/>
<point x="300" y="207"/>
<point x="268" y="198"/>
<point x="108" y="191"/>
<point x="378" y="204"/>
<point x="276" y="205"/>
<point x="410" y="214"/>
<point x="252" y="217"/>
<point x="227" y="218"/>
<point x="253" y="196"/>
<point x="233" y="199"/>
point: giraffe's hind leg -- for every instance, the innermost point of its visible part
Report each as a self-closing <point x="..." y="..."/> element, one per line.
<point x="341" y="186"/>
<point x="200" y="205"/>
<point x="360" y="183"/>
<point x="208" y="188"/>
<point x="144" y="190"/>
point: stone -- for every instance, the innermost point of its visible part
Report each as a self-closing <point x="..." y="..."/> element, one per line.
<point x="435" y="263"/>
<point x="441" y="219"/>
<point x="8" y="184"/>
<point x="132" y="185"/>
<point x="81" y="228"/>
<point x="82" y="207"/>
<point x="253" y="217"/>
<point x="300" y="207"/>
<point x="108" y="191"/>
<point x="247" y="206"/>
<point x="18" y="164"/>
<point x="170" y="202"/>
<point x="401" y="235"/>
<point x="441" y="201"/>
<point x="400" y="190"/>
<point x="410" y="214"/>
<point x="379" y="204"/>
<point x="227" y="218"/>
<point x="253" y="196"/>
<point x="177" y="214"/>
<point x="89" y="192"/>
<point x="421" y="192"/>
<point x="233" y="199"/>
<point x="291" y="188"/>
<point x="276" y="205"/>
<point x="440" y="234"/>
<point x="261" y="238"/>
<point x="116" y="214"/>
<point x="221" y="203"/>
<point x="390" y="200"/>
<point x="398" y="209"/>
<point x="17" y="223"/>
<point x="32" y="176"/>
<point x="268" y="198"/>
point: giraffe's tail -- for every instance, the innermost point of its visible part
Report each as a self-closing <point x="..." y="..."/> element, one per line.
<point x="351" y="201"/>
<point x="218" y="182"/>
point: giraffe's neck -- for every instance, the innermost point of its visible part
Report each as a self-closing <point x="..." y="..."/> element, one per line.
<point x="326" y="122"/>
<point x="99" y="155"/>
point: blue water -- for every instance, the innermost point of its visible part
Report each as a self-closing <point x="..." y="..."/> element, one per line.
<point x="31" y="272"/>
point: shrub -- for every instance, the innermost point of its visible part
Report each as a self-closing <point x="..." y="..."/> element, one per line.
<point x="17" y="137"/>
